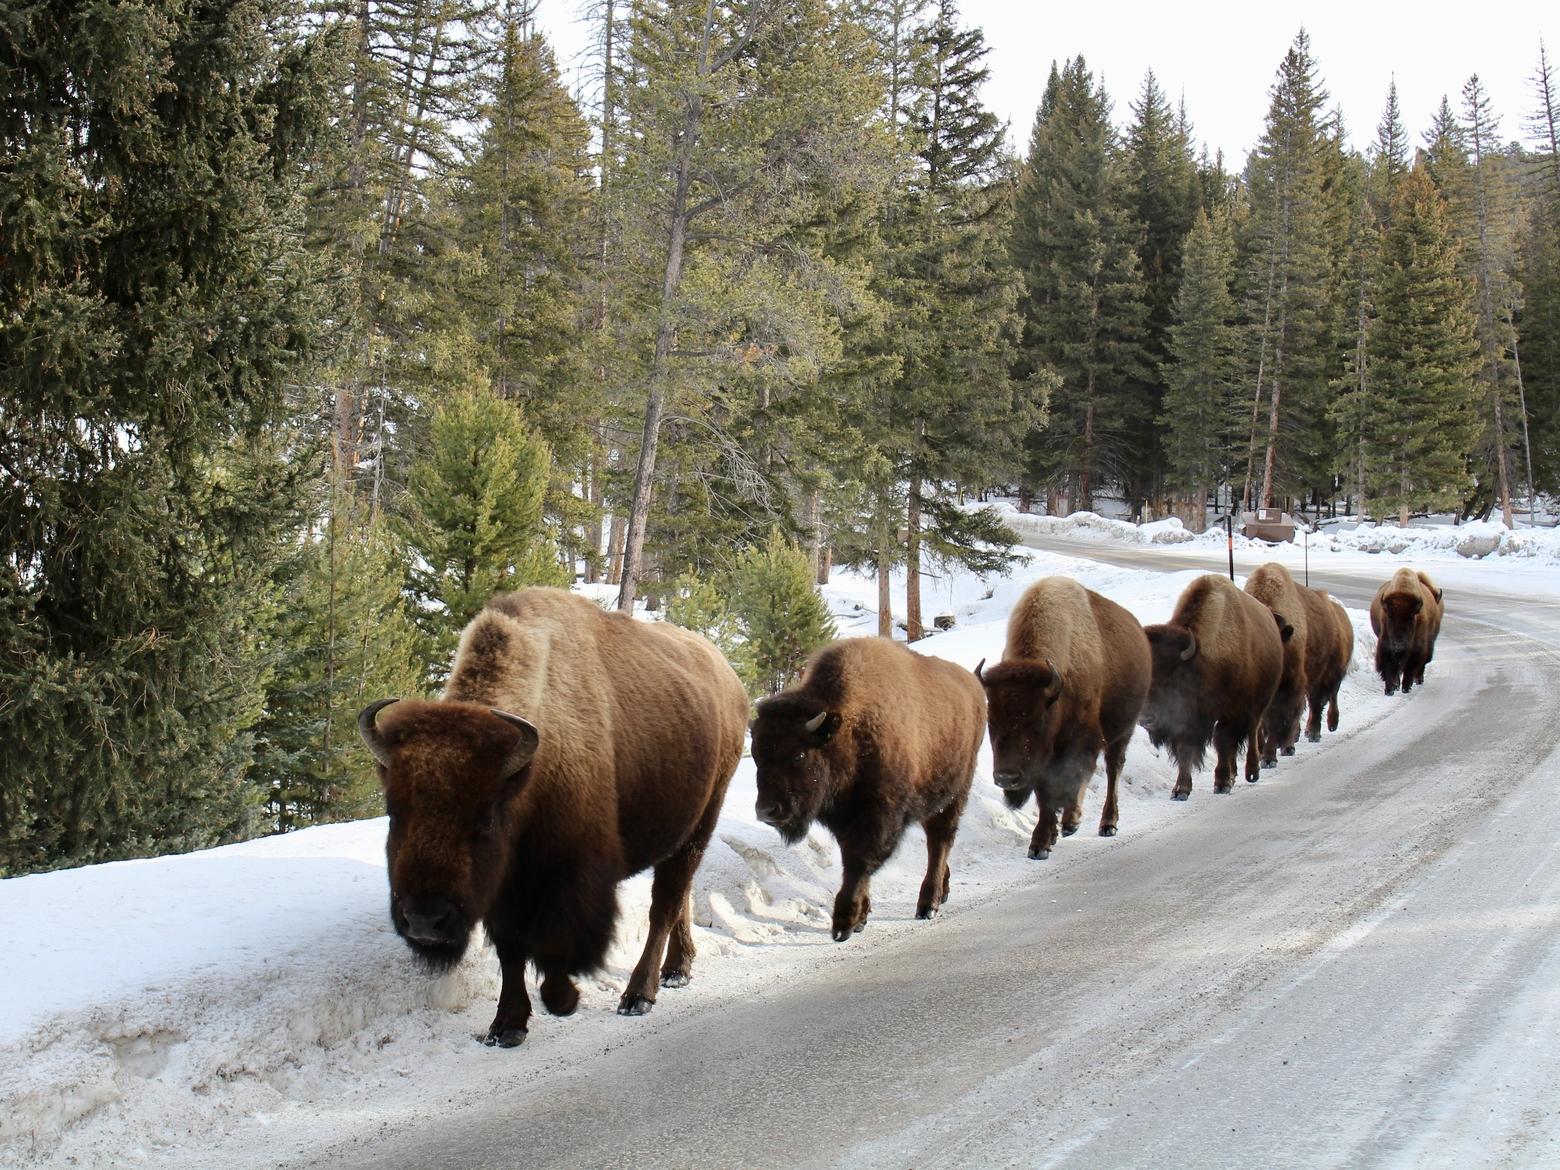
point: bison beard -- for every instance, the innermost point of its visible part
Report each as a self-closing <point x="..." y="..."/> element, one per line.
<point x="529" y="829"/>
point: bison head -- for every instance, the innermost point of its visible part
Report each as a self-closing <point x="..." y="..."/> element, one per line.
<point x="1175" y="682"/>
<point x="452" y="774"/>
<point x="1020" y="697"/>
<point x="789" y="735"/>
<point x="1399" y="612"/>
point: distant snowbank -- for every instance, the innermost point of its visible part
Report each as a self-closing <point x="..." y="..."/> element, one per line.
<point x="1475" y="539"/>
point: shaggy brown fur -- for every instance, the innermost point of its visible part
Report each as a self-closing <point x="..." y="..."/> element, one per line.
<point x="1329" y="647"/>
<point x="893" y="739"/>
<point x="638" y="728"/>
<point x="1406" y="615"/>
<point x="1071" y="684"/>
<point x="1272" y="585"/>
<point x="1216" y="666"/>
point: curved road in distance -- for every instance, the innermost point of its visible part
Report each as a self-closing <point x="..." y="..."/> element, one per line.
<point x="1358" y="966"/>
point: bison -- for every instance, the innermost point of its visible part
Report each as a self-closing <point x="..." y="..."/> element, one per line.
<point x="1272" y="585"/>
<point x="874" y="736"/>
<point x="1071" y="684"/>
<point x="1216" y="666"/>
<point x="572" y="747"/>
<point x="1329" y="647"/>
<point x="1406" y="616"/>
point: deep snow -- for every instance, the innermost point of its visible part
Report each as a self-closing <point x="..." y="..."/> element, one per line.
<point x="152" y="1007"/>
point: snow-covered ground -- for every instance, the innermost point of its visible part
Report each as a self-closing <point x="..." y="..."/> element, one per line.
<point x="152" y="1007"/>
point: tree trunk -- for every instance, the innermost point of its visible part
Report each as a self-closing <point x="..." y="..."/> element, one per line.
<point x="814" y="529"/>
<point x="660" y="372"/>
<point x="913" y="629"/>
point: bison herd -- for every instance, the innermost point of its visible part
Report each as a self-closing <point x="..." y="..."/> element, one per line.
<point x="573" y="748"/>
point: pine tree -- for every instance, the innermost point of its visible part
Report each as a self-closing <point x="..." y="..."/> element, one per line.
<point x="1083" y="308"/>
<point x="1202" y="373"/>
<point x="474" y="523"/>
<point x="779" y="612"/>
<point x="157" y="305"/>
<point x="1423" y="357"/>
<point x="1288" y="283"/>
<point x="1540" y="326"/>
<point x="1389" y="162"/>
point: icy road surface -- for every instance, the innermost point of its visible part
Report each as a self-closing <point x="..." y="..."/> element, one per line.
<point x="1356" y="962"/>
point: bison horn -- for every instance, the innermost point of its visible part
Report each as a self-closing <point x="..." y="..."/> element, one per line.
<point x="526" y="748"/>
<point x="377" y="747"/>
<point x="815" y="722"/>
<point x="1053" y="689"/>
<point x="1191" y="647"/>
<point x="978" y="674"/>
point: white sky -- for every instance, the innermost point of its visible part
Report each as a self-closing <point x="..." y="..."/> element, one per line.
<point x="1222" y="57"/>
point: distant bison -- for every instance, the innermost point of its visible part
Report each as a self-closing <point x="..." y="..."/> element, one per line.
<point x="1071" y="683"/>
<point x="1406" y="616"/>
<point x="572" y="748"/>
<point x="1272" y="585"/>
<point x="1329" y="647"/>
<point x="873" y="737"/>
<point x="1216" y="666"/>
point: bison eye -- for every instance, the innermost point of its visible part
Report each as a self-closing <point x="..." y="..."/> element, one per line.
<point x="487" y="821"/>
<point x="799" y="756"/>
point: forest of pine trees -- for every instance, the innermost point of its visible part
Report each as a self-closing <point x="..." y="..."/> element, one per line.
<point x="324" y="320"/>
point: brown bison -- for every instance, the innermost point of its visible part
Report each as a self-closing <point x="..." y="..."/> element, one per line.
<point x="1216" y="666"/>
<point x="572" y="748"/>
<point x="1406" y="616"/>
<point x="873" y="737"/>
<point x="1328" y="648"/>
<point x="1272" y="585"/>
<point x="1071" y="684"/>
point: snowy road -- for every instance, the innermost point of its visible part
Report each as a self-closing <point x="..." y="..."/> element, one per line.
<point x="1355" y="962"/>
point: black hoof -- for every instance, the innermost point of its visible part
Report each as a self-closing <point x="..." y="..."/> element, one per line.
<point x="1315" y="736"/>
<point x="1107" y="830"/>
<point x="841" y="933"/>
<point x="1224" y="789"/>
<point x="1288" y="751"/>
<point x="1180" y="796"/>
<point x="927" y="913"/>
<point x="1273" y="763"/>
<point x="636" y="1005"/>
<point x="1069" y="830"/>
<point x="675" y="978"/>
<point x="1039" y="854"/>
<point x="505" y="1038"/>
<point x="1252" y="779"/>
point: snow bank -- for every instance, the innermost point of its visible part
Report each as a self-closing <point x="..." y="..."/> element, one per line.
<point x="155" y="1007"/>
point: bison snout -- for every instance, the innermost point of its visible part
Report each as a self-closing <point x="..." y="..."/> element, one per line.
<point x="429" y="920"/>
<point x="1008" y="781"/>
<point x="773" y="812"/>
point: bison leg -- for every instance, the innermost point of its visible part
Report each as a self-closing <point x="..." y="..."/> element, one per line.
<point x="1332" y="712"/>
<point x="1115" y="756"/>
<point x="1313" y="723"/>
<point x="1045" y="833"/>
<point x="1226" y="742"/>
<point x="1183" y="781"/>
<point x="669" y="919"/>
<point x="940" y="829"/>
<point x="509" y="1025"/>
<point x="864" y="847"/>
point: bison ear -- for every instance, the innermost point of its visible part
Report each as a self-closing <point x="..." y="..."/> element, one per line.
<point x="822" y="726"/>
<point x="1285" y="630"/>
<point x="369" y="730"/>
<point x="520" y="755"/>
<point x="1419" y="604"/>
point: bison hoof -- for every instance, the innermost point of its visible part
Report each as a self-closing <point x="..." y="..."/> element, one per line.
<point x="843" y="933"/>
<point x="504" y="1037"/>
<point x="1039" y="854"/>
<point x="675" y="978"/>
<point x="635" y="1005"/>
<point x="1273" y="763"/>
<point x="1179" y="795"/>
<point x="1223" y="789"/>
<point x="1316" y="736"/>
<point x="927" y="912"/>
<point x="1107" y="830"/>
<point x="1069" y="830"/>
<point x="1288" y="751"/>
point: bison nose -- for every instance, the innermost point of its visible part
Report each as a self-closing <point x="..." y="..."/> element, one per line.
<point x="1008" y="780"/>
<point x="770" y="812"/>
<point x="428" y="920"/>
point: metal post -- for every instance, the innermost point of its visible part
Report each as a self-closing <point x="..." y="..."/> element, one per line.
<point x="1229" y="542"/>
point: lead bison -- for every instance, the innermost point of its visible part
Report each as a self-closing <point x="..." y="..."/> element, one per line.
<point x="1406" y="616"/>
<point x="1071" y="684"/>
<point x="572" y="748"/>
<point x="1329" y="648"/>
<point x="1272" y="585"/>
<point x="1216" y="666"/>
<point x="873" y="737"/>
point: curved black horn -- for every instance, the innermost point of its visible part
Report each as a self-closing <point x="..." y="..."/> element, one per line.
<point x="815" y="722"/>
<point x="1053" y="689"/>
<point x="377" y="747"/>
<point x="526" y="748"/>
<point x="1191" y="647"/>
<point x="978" y="674"/>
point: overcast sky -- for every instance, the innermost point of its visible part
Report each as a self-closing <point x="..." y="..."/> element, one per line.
<point x="1222" y="58"/>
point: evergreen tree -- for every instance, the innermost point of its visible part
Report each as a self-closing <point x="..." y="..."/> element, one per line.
<point x="1423" y="357"/>
<point x="1389" y="162"/>
<point x="342" y="637"/>
<point x="1083" y="307"/>
<point x="1289" y="284"/>
<point x="156" y="306"/>
<point x="779" y="612"/>
<point x="474" y="522"/>
<point x="1202" y="373"/>
<point x="1540" y="329"/>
